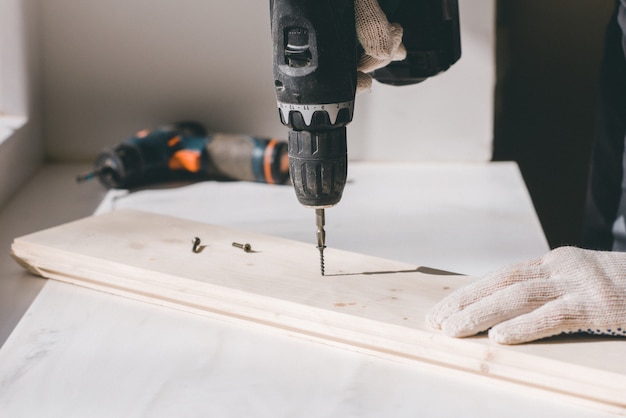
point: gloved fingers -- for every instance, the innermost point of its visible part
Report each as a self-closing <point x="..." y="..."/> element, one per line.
<point x="367" y="64"/>
<point x="375" y="59"/>
<point x="510" y="302"/>
<point x="398" y="50"/>
<point x="363" y="82"/>
<point x="372" y="27"/>
<point x="553" y="318"/>
<point x="483" y="288"/>
<point x="379" y="38"/>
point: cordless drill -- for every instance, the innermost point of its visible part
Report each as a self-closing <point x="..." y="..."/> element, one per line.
<point x="184" y="151"/>
<point x="315" y="54"/>
<point x="315" y="58"/>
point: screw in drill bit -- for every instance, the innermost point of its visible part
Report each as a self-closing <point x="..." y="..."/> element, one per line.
<point x="321" y="235"/>
<point x="321" y="259"/>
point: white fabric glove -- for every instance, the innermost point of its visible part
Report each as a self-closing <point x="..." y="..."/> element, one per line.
<point x="381" y="40"/>
<point x="568" y="290"/>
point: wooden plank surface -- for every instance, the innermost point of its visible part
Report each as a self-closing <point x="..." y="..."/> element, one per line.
<point x="364" y="303"/>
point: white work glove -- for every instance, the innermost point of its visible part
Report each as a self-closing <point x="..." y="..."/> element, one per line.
<point x="381" y="40"/>
<point x="568" y="290"/>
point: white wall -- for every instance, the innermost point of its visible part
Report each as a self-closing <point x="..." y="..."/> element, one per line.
<point x="445" y="118"/>
<point x="21" y="151"/>
<point x="13" y="50"/>
<point x="113" y="67"/>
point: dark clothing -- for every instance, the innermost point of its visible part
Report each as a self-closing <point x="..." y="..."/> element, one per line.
<point x="605" y="216"/>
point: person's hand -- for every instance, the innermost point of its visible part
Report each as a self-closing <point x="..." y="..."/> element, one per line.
<point x="569" y="290"/>
<point x="381" y="40"/>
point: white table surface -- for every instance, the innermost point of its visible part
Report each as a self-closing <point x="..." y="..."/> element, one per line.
<point x="78" y="352"/>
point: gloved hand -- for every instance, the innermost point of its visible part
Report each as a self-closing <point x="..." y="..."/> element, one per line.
<point x="381" y="40"/>
<point x="568" y="290"/>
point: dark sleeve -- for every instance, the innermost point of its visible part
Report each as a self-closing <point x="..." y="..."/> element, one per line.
<point x="606" y="171"/>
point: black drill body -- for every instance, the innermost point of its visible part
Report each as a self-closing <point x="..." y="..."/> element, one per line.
<point x="315" y="61"/>
<point x="315" y="57"/>
<point x="431" y="36"/>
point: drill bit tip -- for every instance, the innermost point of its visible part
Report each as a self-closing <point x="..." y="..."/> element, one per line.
<point x="321" y="235"/>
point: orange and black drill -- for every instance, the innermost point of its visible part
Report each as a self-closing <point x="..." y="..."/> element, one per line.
<point x="185" y="151"/>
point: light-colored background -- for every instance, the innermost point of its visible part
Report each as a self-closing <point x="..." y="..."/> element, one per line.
<point x="21" y="152"/>
<point x="113" y="67"/>
<point x="88" y="74"/>
<point x="95" y="72"/>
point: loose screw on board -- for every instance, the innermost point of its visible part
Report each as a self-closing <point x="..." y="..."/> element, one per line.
<point x="196" y="245"/>
<point x="246" y="247"/>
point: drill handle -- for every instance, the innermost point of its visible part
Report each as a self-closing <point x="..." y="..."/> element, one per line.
<point x="315" y="58"/>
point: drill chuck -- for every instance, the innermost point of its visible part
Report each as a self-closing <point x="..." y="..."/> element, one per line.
<point x="318" y="163"/>
<point x="120" y="167"/>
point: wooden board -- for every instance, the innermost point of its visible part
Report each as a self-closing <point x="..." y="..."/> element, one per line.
<point x="364" y="303"/>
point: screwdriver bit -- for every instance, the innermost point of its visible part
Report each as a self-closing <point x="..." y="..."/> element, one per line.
<point x="321" y="235"/>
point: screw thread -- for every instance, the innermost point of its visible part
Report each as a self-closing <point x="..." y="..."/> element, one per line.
<point x="322" y="269"/>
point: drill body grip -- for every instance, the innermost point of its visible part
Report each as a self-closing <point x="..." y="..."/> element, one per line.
<point x="315" y="58"/>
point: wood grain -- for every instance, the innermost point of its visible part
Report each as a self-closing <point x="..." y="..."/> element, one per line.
<point x="364" y="303"/>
